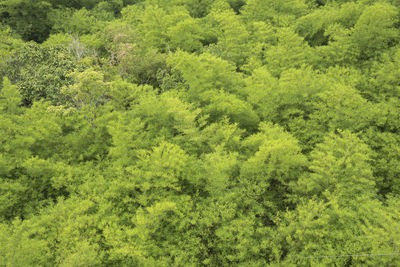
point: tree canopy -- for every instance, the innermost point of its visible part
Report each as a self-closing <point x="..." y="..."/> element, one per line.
<point x="199" y="133"/>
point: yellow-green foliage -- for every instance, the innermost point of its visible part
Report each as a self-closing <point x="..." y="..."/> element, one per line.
<point x="199" y="133"/>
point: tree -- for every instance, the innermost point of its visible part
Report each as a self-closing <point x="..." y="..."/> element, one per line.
<point x="63" y="234"/>
<point x="219" y="104"/>
<point x="340" y="166"/>
<point x="8" y="44"/>
<point x="275" y="163"/>
<point x="186" y="35"/>
<point x="27" y="17"/>
<point x="339" y="213"/>
<point x="199" y="133"/>
<point x="137" y="62"/>
<point x="290" y="51"/>
<point x="375" y="29"/>
<point x="205" y="72"/>
<point x="278" y="12"/>
<point x="88" y="89"/>
<point x="232" y="36"/>
<point x="10" y="98"/>
<point x="76" y="22"/>
<point x="39" y="72"/>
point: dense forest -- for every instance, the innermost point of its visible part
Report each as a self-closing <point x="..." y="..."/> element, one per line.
<point x="199" y="133"/>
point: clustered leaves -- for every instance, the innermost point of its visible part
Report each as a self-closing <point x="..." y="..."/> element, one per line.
<point x="199" y="133"/>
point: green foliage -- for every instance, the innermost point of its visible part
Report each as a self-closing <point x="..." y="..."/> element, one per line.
<point x="8" y="44"/>
<point x="278" y="12"/>
<point x="342" y="184"/>
<point x="199" y="133"/>
<point x="73" y="22"/>
<point x="340" y="166"/>
<point x="186" y="35"/>
<point x="39" y="72"/>
<point x="375" y="29"/>
<point x="224" y="104"/>
<point x="88" y="89"/>
<point x="28" y="18"/>
<point x="314" y="26"/>
<point x="290" y="52"/>
<point x="135" y="60"/>
<point x="333" y="229"/>
<point x="205" y="72"/>
<point x="276" y="163"/>
<point x="10" y="98"/>
<point x="232" y="36"/>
